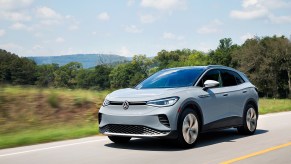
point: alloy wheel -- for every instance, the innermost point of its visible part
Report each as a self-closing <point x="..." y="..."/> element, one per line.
<point x="251" y="119"/>
<point x="190" y="128"/>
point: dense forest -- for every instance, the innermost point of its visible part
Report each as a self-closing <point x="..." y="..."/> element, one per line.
<point x="266" y="61"/>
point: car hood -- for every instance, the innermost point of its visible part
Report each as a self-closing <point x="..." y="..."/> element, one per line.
<point x="144" y="94"/>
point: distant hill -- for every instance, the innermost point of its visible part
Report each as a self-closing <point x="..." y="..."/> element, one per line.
<point x="87" y="60"/>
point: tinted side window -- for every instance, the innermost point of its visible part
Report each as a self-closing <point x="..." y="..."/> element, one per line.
<point x="228" y="78"/>
<point x="210" y="75"/>
<point x="238" y="78"/>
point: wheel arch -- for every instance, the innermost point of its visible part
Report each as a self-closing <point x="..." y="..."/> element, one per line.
<point x="253" y="102"/>
<point x="192" y="104"/>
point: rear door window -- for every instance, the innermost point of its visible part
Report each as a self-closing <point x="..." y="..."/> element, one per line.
<point x="230" y="78"/>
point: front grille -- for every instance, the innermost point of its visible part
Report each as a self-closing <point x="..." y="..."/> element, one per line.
<point x="164" y="120"/>
<point x="130" y="129"/>
<point x="130" y="103"/>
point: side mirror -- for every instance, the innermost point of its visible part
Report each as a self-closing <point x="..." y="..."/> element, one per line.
<point x="210" y="84"/>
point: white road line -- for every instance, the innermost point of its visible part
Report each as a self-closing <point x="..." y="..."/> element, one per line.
<point x="52" y="147"/>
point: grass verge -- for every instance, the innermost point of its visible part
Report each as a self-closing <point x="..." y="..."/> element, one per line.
<point x="34" y="136"/>
<point x="274" y="105"/>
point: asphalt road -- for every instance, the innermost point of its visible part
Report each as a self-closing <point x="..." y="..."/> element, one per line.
<point x="270" y="144"/>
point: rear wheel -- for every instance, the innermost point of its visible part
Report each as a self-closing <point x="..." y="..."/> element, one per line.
<point x="188" y="128"/>
<point x="119" y="139"/>
<point x="250" y="119"/>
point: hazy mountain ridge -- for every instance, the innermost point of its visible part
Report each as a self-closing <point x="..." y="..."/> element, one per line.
<point x="87" y="60"/>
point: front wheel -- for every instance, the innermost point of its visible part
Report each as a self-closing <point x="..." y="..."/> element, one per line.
<point x="188" y="128"/>
<point x="250" y="119"/>
<point x="119" y="139"/>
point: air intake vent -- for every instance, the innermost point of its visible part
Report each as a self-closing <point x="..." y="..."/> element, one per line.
<point x="130" y="129"/>
<point x="164" y="120"/>
<point x="99" y="117"/>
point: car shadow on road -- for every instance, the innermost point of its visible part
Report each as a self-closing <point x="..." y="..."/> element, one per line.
<point x="206" y="139"/>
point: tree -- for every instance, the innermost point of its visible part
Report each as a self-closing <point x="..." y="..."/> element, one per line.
<point x="45" y="74"/>
<point x="179" y="58"/>
<point x="266" y="61"/>
<point x="121" y="75"/>
<point x="130" y="74"/>
<point x="66" y="75"/>
<point x="23" y="71"/>
<point x="222" y="55"/>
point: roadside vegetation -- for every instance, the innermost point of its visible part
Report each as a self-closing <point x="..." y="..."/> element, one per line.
<point x="30" y="115"/>
<point x="274" y="105"/>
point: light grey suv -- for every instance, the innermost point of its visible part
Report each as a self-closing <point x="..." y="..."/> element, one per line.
<point x="180" y="103"/>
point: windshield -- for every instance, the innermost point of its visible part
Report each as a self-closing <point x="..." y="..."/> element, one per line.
<point x="172" y="78"/>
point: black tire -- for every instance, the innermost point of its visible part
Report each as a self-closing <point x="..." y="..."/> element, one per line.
<point x="247" y="128"/>
<point x="181" y="141"/>
<point x="119" y="139"/>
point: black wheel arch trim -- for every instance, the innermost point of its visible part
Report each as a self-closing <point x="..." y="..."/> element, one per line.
<point x="254" y="102"/>
<point x="191" y="101"/>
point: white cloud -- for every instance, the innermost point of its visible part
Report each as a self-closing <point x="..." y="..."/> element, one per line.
<point x="2" y="32"/>
<point x="14" y="4"/>
<point x="47" y="13"/>
<point x="247" y="3"/>
<point x="254" y="9"/>
<point x="164" y="4"/>
<point x="60" y="40"/>
<point x="14" y="10"/>
<point x="247" y="36"/>
<point x="171" y="36"/>
<point x="132" y="29"/>
<point x="124" y="51"/>
<point x="249" y="14"/>
<point x="11" y="47"/>
<point x="104" y="16"/>
<point x="19" y="26"/>
<point x="14" y="16"/>
<point x="148" y="18"/>
<point x="210" y="28"/>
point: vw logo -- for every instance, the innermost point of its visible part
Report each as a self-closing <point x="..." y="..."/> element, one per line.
<point x="125" y="105"/>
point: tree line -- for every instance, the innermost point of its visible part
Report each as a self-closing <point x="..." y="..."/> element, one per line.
<point x="266" y="61"/>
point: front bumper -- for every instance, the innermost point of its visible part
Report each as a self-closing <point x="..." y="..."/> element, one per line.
<point x="134" y="126"/>
<point x="138" y="120"/>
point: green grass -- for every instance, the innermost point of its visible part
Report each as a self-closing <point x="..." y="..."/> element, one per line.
<point x="274" y="105"/>
<point x="34" y="136"/>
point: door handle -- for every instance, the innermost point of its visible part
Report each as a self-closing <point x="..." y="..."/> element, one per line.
<point x="226" y="94"/>
<point x="245" y="91"/>
<point x="203" y="96"/>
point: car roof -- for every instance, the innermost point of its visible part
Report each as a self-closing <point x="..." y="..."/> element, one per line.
<point x="204" y="68"/>
<point x="201" y="67"/>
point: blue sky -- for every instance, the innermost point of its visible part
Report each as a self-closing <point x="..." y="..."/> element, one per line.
<point x="128" y="27"/>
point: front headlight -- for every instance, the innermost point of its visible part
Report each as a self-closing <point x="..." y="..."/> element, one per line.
<point x="106" y="103"/>
<point x="163" y="102"/>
